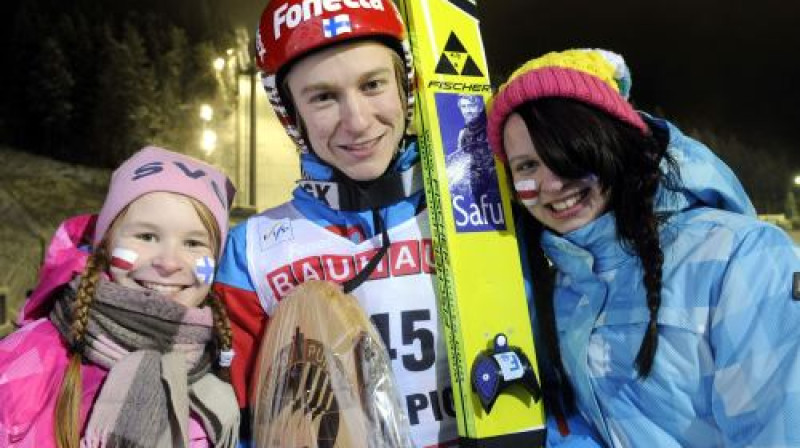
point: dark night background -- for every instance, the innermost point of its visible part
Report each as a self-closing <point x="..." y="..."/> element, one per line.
<point x="727" y="72"/>
<point x="731" y="66"/>
<point x="724" y="71"/>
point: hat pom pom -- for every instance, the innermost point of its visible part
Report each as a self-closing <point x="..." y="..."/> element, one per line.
<point x="622" y="75"/>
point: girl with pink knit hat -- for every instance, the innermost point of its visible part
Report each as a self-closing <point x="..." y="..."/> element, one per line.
<point x="670" y="314"/>
<point x="123" y="343"/>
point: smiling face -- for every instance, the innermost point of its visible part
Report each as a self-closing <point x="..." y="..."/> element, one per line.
<point x="350" y="105"/>
<point x="562" y="205"/>
<point x="161" y="238"/>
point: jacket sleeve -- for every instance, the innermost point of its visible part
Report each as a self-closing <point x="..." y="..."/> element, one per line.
<point x="755" y="339"/>
<point x="248" y="319"/>
<point x="32" y="365"/>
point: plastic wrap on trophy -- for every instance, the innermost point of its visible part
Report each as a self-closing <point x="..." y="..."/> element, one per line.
<point x="324" y="378"/>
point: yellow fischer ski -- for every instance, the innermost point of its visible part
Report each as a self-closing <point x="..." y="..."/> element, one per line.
<point x="482" y="301"/>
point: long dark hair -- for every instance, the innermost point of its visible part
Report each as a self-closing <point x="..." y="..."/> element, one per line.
<point x="575" y="140"/>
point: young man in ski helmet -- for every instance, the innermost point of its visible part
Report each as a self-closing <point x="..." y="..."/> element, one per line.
<point x="339" y="76"/>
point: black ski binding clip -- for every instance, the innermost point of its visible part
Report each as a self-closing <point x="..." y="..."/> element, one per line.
<point x="496" y="369"/>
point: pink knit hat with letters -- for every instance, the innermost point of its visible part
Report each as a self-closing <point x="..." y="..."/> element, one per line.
<point x="598" y="78"/>
<point x="156" y="169"/>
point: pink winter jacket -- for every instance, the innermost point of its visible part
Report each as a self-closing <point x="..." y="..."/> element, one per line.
<point x="34" y="359"/>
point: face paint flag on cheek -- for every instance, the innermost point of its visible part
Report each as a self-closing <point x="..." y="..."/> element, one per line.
<point x="527" y="191"/>
<point x="124" y="259"/>
<point x="204" y="270"/>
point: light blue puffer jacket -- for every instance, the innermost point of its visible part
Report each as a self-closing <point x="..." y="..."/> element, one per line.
<point x="727" y="368"/>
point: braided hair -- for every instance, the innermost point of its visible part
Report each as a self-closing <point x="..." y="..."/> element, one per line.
<point x="222" y="327"/>
<point x="575" y="140"/>
<point x="222" y="324"/>
<point x="67" y="413"/>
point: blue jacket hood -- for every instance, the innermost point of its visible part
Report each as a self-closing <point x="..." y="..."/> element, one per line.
<point x="705" y="179"/>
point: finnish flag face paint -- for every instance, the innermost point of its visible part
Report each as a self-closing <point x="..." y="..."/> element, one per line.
<point x="124" y="259"/>
<point x="204" y="270"/>
<point x="527" y="191"/>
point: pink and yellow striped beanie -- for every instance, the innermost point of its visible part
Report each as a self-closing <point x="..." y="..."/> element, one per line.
<point x="599" y="78"/>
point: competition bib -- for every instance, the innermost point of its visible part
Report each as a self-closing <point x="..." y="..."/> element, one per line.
<point x="285" y="250"/>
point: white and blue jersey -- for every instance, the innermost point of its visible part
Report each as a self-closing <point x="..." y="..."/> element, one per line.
<point x="271" y="252"/>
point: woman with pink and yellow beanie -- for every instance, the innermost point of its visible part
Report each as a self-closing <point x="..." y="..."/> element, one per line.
<point x="671" y="316"/>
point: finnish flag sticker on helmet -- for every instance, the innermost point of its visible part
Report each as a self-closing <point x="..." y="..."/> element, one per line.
<point x="337" y="25"/>
<point x="292" y="13"/>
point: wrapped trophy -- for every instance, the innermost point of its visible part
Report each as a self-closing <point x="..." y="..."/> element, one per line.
<point x="324" y="378"/>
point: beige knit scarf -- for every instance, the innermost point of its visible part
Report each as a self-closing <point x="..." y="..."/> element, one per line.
<point x="159" y="354"/>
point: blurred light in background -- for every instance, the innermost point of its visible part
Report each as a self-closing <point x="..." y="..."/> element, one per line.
<point x="219" y="64"/>
<point x="208" y="141"/>
<point x="206" y="112"/>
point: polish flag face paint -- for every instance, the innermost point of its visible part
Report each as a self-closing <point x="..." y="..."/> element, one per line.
<point x="527" y="191"/>
<point x="204" y="270"/>
<point x="123" y="258"/>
